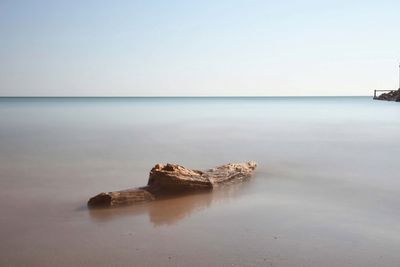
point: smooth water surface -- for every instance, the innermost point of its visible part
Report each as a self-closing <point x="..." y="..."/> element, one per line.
<point x="326" y="192"/>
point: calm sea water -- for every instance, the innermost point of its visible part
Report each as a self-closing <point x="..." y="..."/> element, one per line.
<point x="326" y="192"/>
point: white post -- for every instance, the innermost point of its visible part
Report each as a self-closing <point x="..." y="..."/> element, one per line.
<point x="399" y="76"/>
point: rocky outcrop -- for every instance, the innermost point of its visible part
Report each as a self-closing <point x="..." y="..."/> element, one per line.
<point x="391" y="96"/>
<point x="171" y="179"/>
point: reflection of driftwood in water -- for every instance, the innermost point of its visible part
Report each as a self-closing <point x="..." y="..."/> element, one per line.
<point x="171" y="179"/>
<point x="169" y="211"/>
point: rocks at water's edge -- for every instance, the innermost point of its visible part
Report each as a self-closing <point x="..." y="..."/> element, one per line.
<point x="168" y="179"/>
<point x="391" y="96"/>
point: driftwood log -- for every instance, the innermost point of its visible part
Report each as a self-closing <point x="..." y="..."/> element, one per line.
<point x="170" y="179"/>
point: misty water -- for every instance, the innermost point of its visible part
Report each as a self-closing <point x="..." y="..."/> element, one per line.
<point x="326" y="191"/>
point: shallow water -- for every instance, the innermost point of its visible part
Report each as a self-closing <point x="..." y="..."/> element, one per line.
<point x="326" y="191"/>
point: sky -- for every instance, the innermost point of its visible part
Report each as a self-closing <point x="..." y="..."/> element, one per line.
<point x="198" y="48"/>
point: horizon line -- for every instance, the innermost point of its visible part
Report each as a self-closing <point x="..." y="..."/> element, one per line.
<point x="184" y="96"/>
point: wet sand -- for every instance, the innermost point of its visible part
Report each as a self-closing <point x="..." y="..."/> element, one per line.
<point x="325" y="192"/>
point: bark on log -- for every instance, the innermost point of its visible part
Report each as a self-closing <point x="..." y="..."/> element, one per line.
<point x="169" y="179"/>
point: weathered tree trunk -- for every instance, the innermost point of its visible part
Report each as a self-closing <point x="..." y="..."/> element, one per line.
<point x="171" y="179"/>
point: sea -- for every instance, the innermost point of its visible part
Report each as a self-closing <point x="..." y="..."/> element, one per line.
<point x="326" y="191"/>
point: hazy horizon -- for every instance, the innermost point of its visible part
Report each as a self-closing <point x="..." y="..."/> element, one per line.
<point x="193" y="96"/>
<point x="180" y="48"/>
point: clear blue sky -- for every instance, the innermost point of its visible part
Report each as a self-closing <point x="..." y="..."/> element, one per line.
<point x="198" y="47"/>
